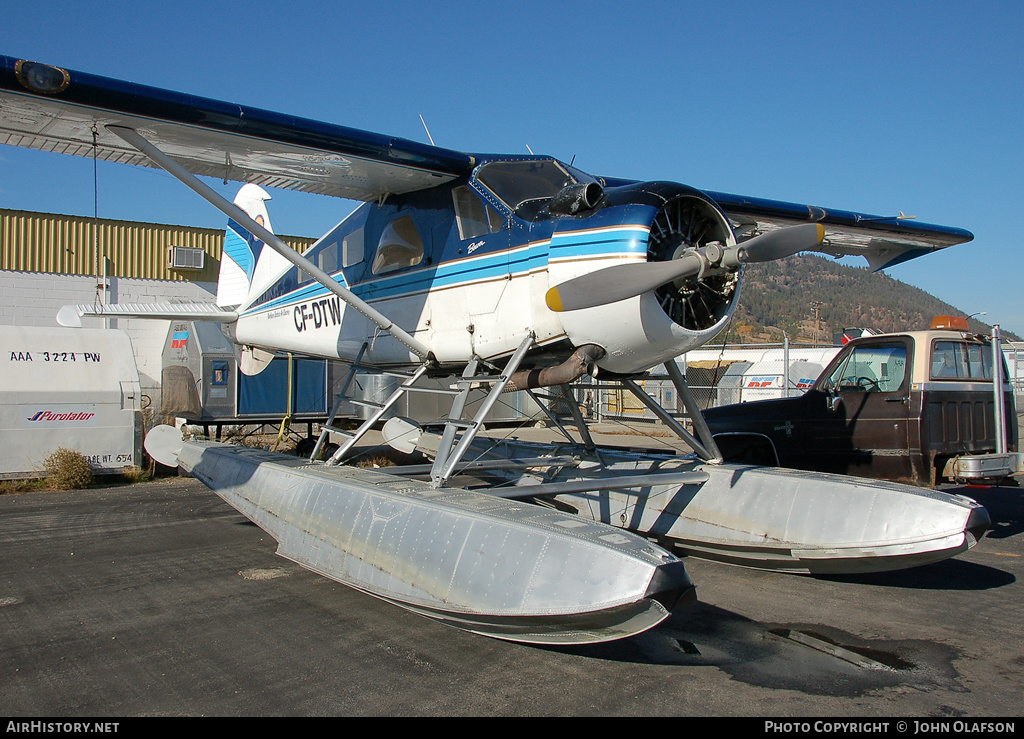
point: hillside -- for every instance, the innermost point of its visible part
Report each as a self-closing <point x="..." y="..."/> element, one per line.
<point x="784" y="295"/>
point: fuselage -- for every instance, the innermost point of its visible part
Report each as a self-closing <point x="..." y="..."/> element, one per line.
<point x="464" y="268"/>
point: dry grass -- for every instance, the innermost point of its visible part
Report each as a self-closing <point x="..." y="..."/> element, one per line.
<point x="67" y="469"/>
<point x="14" y="487"/>
<point x="377" y="460"/>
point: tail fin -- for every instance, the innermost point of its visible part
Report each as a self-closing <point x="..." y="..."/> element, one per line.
<point x="242" y="250"/>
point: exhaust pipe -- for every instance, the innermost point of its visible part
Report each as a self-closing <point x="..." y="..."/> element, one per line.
<point x="572" y="199"/>
<point x="580" y="363"/>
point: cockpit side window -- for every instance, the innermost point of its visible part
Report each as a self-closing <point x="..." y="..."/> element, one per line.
<point x="400" y="246"/>
<point x="473" y="216"/>
<point x="494" y="220"/>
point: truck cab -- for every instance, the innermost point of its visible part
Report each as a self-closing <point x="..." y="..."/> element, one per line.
<point x="915" y="407"/>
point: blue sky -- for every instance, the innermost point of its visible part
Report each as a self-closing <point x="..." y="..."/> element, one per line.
<point x="877" y="107"/>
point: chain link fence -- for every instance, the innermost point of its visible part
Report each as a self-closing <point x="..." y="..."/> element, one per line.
<point x="1014" y="353"/>
<point x="717" y="376"/>
<point x="738" y="373"/>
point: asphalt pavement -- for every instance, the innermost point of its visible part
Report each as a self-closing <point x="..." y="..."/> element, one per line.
<point x="158" y="599"/>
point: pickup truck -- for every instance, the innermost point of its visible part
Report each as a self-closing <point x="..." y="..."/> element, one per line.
<point x="915" y="407"/>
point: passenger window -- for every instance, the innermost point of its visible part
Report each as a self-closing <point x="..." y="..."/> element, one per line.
<point x="400" y="246"/>
<point x="352" y="248"/>
<point x="327" y="260"/>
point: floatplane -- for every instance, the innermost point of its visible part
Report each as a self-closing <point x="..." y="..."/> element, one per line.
<point x="504" y="272"/>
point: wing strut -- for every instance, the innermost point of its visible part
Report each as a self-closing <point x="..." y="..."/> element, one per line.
<point x="241" y="217"/>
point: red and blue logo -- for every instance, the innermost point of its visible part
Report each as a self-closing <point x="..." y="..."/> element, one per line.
<point x="51" y="416"/>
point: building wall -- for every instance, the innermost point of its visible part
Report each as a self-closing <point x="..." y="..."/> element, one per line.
<point x="33" y="299"/>
<point x="75" y="245"/>
<point x="49" y="260"/>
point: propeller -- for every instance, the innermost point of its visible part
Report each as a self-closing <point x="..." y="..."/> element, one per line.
<point x="623" y="281"/>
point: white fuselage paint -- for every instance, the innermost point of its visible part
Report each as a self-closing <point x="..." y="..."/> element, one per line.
<point x="487" y="318"/>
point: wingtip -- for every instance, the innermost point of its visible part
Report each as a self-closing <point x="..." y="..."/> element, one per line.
<point x="163" y="443"/>
<point x="69" y="317"/>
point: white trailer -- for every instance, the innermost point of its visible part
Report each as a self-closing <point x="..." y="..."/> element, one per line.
<point x="72" y="388"/>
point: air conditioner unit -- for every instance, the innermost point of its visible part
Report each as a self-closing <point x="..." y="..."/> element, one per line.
<point x="185" y="257"/>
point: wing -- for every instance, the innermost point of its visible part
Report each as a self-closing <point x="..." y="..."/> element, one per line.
<point x="48" y="108"/>
<point x="882" y="241"/>
<point x="45" y="107"/>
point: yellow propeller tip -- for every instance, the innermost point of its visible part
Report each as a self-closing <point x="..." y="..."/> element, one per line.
<point x="821" y="233"/>
<point x="553" y="300"/>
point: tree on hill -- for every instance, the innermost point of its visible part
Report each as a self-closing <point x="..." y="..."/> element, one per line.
<point x="787" y="294"/>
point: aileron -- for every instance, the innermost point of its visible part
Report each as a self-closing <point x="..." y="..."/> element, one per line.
<point x="882" y="240"/>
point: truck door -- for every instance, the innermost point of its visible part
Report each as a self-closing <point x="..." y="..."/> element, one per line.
<point x="859" y="423"/>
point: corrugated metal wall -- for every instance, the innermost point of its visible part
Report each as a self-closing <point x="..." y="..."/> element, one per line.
<point x="46" y="242"/>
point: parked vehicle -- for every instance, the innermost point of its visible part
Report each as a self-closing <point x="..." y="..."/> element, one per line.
<point x="916" y="407"/>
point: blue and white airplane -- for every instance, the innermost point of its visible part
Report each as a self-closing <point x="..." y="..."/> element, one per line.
<point x="453" y="255"/>
<point x="458" y="262"/>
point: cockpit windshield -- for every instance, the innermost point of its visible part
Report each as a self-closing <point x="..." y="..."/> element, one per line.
<point x="519" y="182"/>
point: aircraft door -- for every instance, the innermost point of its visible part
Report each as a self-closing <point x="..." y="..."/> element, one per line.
<point x="859" y="421"/>
<point x="483" y="238"/>
<point x="480" y="228"/>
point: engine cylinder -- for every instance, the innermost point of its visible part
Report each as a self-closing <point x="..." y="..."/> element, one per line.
<point x="683" y="225"/>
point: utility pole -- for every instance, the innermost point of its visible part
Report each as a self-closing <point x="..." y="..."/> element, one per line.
<point x="816" y="304"/>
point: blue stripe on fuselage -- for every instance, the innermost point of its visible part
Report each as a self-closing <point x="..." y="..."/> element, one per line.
<point x="600" y="242"/>
<point x="585" y="244"/>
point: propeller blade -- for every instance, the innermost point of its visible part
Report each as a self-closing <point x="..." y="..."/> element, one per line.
<point x="623" y="281"/>
<point x="782" y="243"/>
<point x="611" y="284"/>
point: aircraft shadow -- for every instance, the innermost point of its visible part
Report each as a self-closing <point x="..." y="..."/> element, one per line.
<point x="950" y="574"/>
<point x="1005" y="505"/>
<point x="671" y="642"/>
<point x="813" y="659"/>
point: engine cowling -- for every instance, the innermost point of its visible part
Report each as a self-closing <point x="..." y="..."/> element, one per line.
<point x="685" y="225"/>
<point x="653" y="222"/>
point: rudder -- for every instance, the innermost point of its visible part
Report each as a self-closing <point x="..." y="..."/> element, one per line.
<point x="242" y="249"/>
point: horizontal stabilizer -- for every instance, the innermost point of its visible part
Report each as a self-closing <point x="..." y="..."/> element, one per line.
<point x="71" y="315"/>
